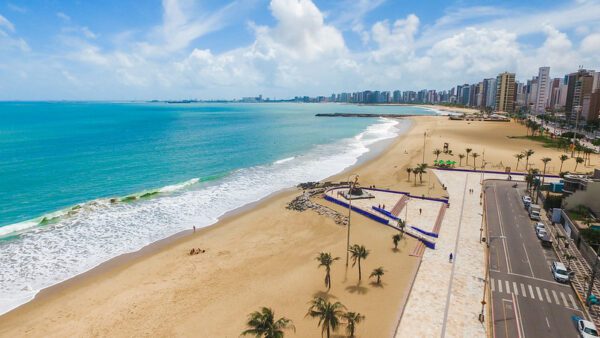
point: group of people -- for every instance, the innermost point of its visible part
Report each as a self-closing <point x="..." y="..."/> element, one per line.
<point x="196" y="251"/>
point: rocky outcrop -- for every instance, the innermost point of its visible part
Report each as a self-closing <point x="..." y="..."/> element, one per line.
<point x="303" y="202"/>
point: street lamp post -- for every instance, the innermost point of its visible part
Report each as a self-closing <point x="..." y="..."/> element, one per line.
<point x="349" y="214"/>
<point x="424" y="138"/>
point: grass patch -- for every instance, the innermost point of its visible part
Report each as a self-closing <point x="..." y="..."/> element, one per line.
<point x="546" y="141"/>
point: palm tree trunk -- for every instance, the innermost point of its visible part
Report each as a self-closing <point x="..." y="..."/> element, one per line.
<point x="561" y="164"/>
<point x="517" y="168"/>
<point x="328" y="333"/>
<point x="359" y="271"/>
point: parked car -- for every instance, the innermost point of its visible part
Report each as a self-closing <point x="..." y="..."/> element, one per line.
<point x="526" y="199"/>
<point x="559" y="272"/>
<point x="546" y="241"/>
<point x="540" y="225"/>
<point x="585" y="328"/>
<point x="541" y="232"/>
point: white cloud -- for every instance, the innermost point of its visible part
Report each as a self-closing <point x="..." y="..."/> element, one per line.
<point x="6" y="24"/>
<point x="63" y="16"/>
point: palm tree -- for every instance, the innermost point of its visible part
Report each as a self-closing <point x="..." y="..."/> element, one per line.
<point x="437" y="153"/>
<point x="545" y="160"/>
<point x="416" y="171"/>
<point x="358" y="252"/>
<point x="519" y="158"/>
<point x="562" y="159"/>
<point x="527" y="154"/>
<point x="263" y="325"/>
<point x="460" y="158"/>
<point x="326" y="260"/>
<point x="409" y="171"/>
<point x="422" y="170"/>
<point x="577" y="161"/>
<point x="468" y="150"/>
<point x="329" y="314"/>
<point x="352" y="319"/>
<point x="475" y="156"/>
<point x="378" y="272"/>
<point x="396" y="238"/>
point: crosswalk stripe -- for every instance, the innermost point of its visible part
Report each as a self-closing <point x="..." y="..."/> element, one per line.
<point x="539" y="293"/>
<point x="531" y="291"/>
<point x="547" y="296"/>
<point x="523" y="292"/>
<point x="507" y="286"/>
<point x="555" y="297"/>
<point x="562" y="295"/>
<point x="515" y="288"/>
<point x="499" y="285"/>
<point x="574" y="302"/>
<point x="492" y="284"/>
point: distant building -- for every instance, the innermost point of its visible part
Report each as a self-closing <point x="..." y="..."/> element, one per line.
<point x="505" y="92"/>
<point x="489" y="93"/>
<point x="554" y="94"/>
<point x="543" y="88"/>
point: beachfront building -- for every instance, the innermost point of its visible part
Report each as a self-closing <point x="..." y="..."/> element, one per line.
<point x="489" y="90"/>
<point x="543" y="87"/>
<point x="505" y="92"/>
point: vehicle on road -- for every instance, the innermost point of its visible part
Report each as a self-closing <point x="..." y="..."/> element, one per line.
<point x="526" y="199"/>
<point x="546" y="241"/>
<point x="559" y="272"/>
<point x="540" y="225"/>
<point x="585" y="328"/>
<point x="534" y="212"/>
<point x="540" y="232"/>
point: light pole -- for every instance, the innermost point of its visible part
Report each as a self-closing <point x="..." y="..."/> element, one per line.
<point x="349" y="213"/>
<point x="424" y="137"/>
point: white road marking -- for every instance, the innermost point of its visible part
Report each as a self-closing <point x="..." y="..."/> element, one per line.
<point x="528" y="261"/>
<point x="523" y="292"/>
<point x="492" y="282"/>
<point x="515" y="288"/>
<point x="573" y="301"/>
<point x="539" y="279"/>
<point x="531" y="291"/>
<point x="547" y="322"/>
<point x="555" y="297"/>
<point x="562" y="295"/>
<point x="547" y="296"/>
<point x="539" y="293"/>
<point x="518" y="316"/>
<point x="507" y="286"/>
<point x="499" y="285"/>
<point x="502" y="231"/>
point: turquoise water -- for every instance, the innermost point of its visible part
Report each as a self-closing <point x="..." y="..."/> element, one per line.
<point x="62" y="162"/>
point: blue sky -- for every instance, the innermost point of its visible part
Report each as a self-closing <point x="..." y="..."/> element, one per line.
<point x="173" y="49"/>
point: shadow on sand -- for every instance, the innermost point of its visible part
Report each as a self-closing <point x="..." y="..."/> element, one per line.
<point x="361" y="290"/>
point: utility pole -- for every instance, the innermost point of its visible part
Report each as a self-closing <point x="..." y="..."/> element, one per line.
<point x="424" y="137"/>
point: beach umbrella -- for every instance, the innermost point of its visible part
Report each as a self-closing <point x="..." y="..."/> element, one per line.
<point x="448" y="162"/>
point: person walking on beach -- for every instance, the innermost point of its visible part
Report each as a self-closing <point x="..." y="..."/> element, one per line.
<point x="450" y="258"/>
<point x="194" y="228"/>
<point x="420" y="211"/>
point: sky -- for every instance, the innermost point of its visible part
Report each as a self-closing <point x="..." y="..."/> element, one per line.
<point x="183" y="49"/>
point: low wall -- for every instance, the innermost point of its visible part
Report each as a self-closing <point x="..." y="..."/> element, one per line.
<point x="490" y="172"/>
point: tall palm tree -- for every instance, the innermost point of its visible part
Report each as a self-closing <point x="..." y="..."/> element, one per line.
<point x="358" y="252"/>
<point x="545" y="160"/>
<point x="475" y="156"/>
<point x="460" y="158"/>
<point x="468" y="150"/>
<point x="437" y="153"/>
<point x="577" y="161"/>
<point x="409" y="171"/>
<point x="352" y="319"/>
<point x="329" y="314"/>
<point x="416" y="171"/>
<point x="422" y="170"/>
<point x="528" y="154"/>
<point x="519" y="158"/>
<point x="396" y="238"/>
<point x="378" y="272"/>
<point x="562" y="159"/>
<point x="263" y="325"/>
<point x="325" y="259"/>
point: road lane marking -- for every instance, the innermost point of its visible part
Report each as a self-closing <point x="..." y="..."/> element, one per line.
<point x="547" y="322"/>
<point x="492" y="284"/>
<point x="507" y="286"/>
<point x="555" y="297"/>
<point x="515" y="288"/>
<point x="562" y="295"/>
<point x="531" y="291"/>
<point x="499" y="285"/>
<point x="573" y="301"/>
<point x="547" y="296"/>
<point x="518" y="316"/>
<point x="539" y="279"/>
<point x="539" y="293"/>
<point x="502" y="230"/>
<point x="528" y="261"/>
<point x="523" y="292"/>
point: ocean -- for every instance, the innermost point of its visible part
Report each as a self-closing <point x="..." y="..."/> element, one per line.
<point x="83" y="182"/>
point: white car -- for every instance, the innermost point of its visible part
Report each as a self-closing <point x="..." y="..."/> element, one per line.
<point x="559" y="272"/>
<point x="540" y="233"/>
<point x="540" y="225"/>
<point x="586" y="329"/>
<point x="526" y="199"/>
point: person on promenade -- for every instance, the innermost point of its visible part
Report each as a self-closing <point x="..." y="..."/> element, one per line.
<point x="450" y="258"/>
<point x="420" y="211"/>
<point x="194" y="228"/>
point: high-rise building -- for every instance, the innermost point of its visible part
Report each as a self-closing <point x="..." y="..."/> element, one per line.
<point x="505" y="92"/>
<point x="554" y="94"/>
<point x="543" y="88"/>
<point x="490" y="92"/>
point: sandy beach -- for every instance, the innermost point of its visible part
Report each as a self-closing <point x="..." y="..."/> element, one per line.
<point x="265" y="256"/>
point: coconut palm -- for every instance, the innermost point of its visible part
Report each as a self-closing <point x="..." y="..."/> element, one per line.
<point x="409" y="171"/>
<point x="577" y="161"/>
<point x="468" y="150"/>
<point x="562" y="159"/>
<point x="358" y="252"/>
<point x="475" y="156"/>
<point x="460" y="158"/>
<point x="325" y="259"/>
<point x="352" y="319"/>
<point x="396" y="238"/>
<point x="437" y="153"/>
<point x="416" y="171"/>
<point x="519" y="158"/>
<point x="422" y="170"/>
<point x="401" y="225"/>
<point x="329" y="314"/>
<point x="528" y="154"/>
<point x="378" y="272"/>
<point x="263" y="325"/>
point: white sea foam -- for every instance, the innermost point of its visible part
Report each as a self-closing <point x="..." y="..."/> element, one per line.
<point x="181" y="186"/>
<point x="101" y="230"/>
<point x="284" y="160"/>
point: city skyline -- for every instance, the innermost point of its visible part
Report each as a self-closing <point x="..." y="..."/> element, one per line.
<point x="282" y="48"/>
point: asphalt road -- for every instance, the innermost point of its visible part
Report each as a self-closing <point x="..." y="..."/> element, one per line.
<point x="526" y="301"/>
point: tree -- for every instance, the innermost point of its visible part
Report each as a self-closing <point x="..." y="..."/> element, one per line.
<point x="422" y="170"/>
<point x="416" y="171"/>
<point x="352" y="319"/>
<point x="396" y="238"/>
<point x="437" y="153"/>
<point x="263" y="325"/>
<point x="545" y="160"/>
<point x="577" y="161"/>
<point x="562" y="159"/>
<point x="378" y="272"/>
<point x="329" y="314"/>
<point x="460" y="158"/>
<point x="519" y="158"/>
<point x="326" y="260"/>
<point x="358" y="252"/>
<point x="569" y="258"/>
<point x="409" y="171"/>
<point x="528" y="154"/>
<point x="468" y="150"/>
<point x="475" y="156"/>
